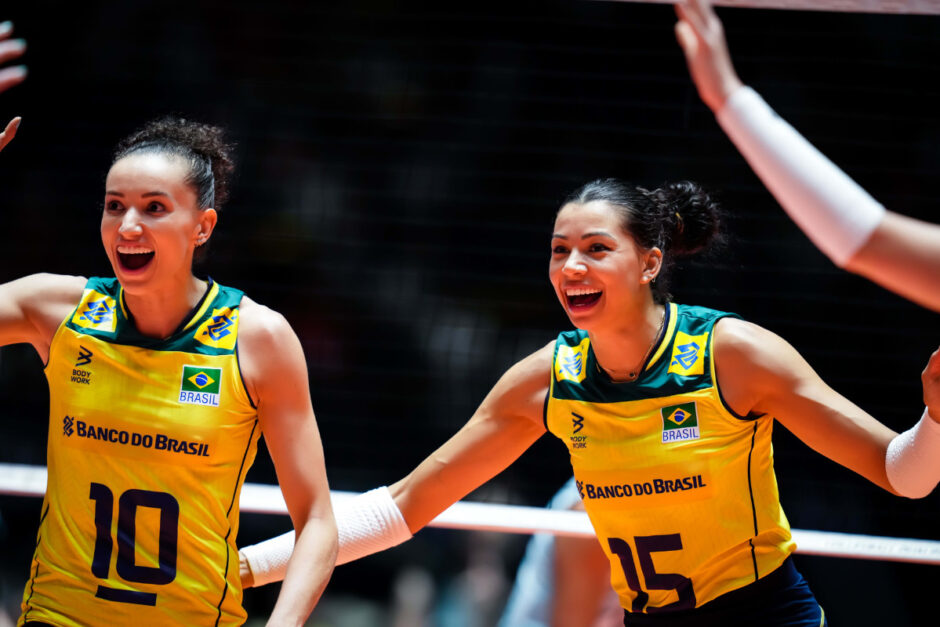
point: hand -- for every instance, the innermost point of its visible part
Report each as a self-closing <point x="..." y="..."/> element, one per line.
<point x="244" y="571"/>
<point x="931" y="380"/>
<point x="702" y="38"/>
<point x="9" y="132"/>
<point x="10" y="49"/>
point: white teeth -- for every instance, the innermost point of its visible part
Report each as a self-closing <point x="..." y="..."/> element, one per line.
<point x="134" y="250"/>
<point x="580" y="291"/>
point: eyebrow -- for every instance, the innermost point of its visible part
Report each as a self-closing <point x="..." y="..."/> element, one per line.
<point x="146" y="195"/>
<point x="585" y="236"/>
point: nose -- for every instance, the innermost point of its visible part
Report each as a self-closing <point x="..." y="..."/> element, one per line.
<point x="574" y="264"/>
<point x="130" y="224"/>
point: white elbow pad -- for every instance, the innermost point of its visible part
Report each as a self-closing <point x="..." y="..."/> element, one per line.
<point x="832" y="209"/>
<point x="913" y="459"/>
<point x="366" y="523"/>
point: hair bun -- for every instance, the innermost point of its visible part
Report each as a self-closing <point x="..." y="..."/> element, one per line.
<point x="194" y="141"/>
<point x="691" y="216"/>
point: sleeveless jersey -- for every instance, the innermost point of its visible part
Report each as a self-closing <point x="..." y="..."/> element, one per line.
<point x="681" y="491"/>
<point x="149" y="443"/>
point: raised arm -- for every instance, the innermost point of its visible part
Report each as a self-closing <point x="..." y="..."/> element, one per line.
<point x="31" y="308"/>
<point x="277" y="382"/>
<point x="842" y="219"/>
<point x="507" y="422"/>
<point x="760" y="373"/>
<point x="10" y="49"/>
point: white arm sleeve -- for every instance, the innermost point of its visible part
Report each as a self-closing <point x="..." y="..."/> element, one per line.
<point x="366" y="524"/>
<point x="831" y="208"/>
<point x="913" y="459"/>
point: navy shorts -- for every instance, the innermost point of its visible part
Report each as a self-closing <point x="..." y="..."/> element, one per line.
<point x="779" y="599"/>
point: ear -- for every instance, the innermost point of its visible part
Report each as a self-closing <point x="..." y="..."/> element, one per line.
<point x="652" y="263"/>
<point x="207" y="221"/>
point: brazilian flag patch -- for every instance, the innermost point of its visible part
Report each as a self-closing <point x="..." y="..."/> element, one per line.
<point x="680" y="422"/>
<point x="200" y="386"/>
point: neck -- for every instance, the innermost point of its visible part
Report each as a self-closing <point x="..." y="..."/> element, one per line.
<point x="623" y="351"/>
<point x="158" y="313"/>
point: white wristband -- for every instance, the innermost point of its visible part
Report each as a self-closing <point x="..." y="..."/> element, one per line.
<point x="832" y="209"/>
<point x="366" y="524"/>
<point x="268" y="560"/>
<point x="913" y="459"/>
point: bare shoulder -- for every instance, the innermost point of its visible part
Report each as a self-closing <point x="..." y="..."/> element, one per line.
<point x="748" y="344"/>
<point x="532" y="370"/>
<point x="46" y="299"/>
<point x="269" y="352"/>
<point x="753" y="364"/>
<point x="46" y="288"/>
<point x="260" y="325"/>
<point x="522" y="388"/>
<point x="33" y="307"/>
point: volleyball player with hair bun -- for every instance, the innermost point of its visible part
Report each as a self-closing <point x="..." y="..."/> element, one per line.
<point x="667" y="412"/>
<point x="161" y="383"/>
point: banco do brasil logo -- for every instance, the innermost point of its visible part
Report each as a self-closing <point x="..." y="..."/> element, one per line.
<point x="67" y="426"/>
<point x="200" y="386"/>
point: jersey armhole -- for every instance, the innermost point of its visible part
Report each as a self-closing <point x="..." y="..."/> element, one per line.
<point x="65" y="320"/>
<point x="551" y="387"/>
<point x="714" y="370"/>
<point x="241" y="378"/>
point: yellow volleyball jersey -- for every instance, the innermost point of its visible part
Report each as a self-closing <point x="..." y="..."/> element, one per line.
<point x="681" y="491"/>
<point x="149" y="443"/>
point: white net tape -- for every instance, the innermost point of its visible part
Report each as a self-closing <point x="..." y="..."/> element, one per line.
<point x="924" y="7"/>
<point x="25" y="480"/>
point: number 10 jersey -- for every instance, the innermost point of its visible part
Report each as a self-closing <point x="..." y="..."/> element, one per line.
<point x="149" y="443"/>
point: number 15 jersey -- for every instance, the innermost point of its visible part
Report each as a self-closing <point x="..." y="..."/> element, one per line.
<point x="680" y="490"/>
<point x="149" y="442"/>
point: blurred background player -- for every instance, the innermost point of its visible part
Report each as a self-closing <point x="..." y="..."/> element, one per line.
<point x="562" y="581"/>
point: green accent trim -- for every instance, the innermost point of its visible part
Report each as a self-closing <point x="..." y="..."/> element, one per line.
<point x="654" y="382"/>
<point x="203" y="305"/>
<point x="216" y="297"/>
<point x="672" y="317"/>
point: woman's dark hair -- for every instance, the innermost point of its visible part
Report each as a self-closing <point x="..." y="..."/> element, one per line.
<point x="681" y="219"/>
<point x="201" y="146"/>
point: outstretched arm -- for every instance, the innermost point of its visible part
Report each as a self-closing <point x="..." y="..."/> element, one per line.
<point x="760" y="373"/>
<point x="277" y="381"/>
<point x="10" y="49"/>
<point x="507" y="422"/>
<point x="842" y="219"/>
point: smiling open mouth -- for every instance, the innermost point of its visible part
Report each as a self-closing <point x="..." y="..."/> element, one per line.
<point x="134" y="258"/>
<point x="583" y="298"/>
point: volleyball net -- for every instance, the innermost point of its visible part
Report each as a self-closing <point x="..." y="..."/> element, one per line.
<point x="913" y="7"/>
<point x="27" y="480"/>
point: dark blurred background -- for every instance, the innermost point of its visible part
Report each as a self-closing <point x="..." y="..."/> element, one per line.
<point x="400" y="164"/>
